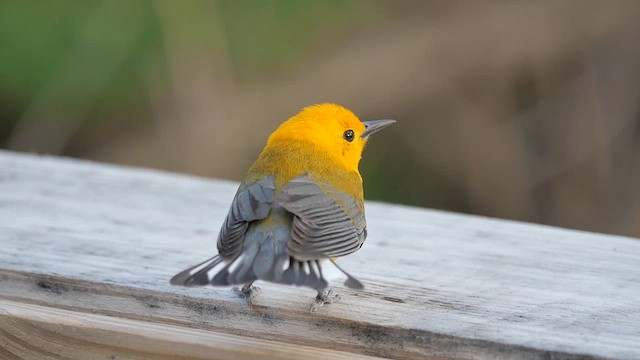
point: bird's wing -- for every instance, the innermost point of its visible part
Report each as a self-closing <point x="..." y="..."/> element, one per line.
<point x="252" y="202"/>
<point x="328" y="223"/>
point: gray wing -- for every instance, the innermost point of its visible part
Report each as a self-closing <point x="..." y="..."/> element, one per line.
<point x="251" y="203"/>
<point x="327" y="223"/>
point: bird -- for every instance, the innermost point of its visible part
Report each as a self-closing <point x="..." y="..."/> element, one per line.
<point x="300" y="206"/>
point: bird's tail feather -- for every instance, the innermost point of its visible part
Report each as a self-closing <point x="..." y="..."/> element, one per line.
<point x="304" y="273"/>
<point x="197" y="275"/>
<point x="240" y="270"/>
<point x="351" y="282"/>
<point x="260" y="262"/>
<point x="265" y="261"/>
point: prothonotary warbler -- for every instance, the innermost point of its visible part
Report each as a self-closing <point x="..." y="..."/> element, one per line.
<point x="300" y="204"/>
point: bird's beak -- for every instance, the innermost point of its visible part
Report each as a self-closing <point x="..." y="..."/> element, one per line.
<point x="374" y="126"/>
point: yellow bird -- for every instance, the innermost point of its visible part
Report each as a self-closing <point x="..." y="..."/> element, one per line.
<point x="300" y="203"/>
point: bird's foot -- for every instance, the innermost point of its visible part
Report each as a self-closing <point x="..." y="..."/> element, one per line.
<point x="324" y="297"/>
<point x="248" y="292"/>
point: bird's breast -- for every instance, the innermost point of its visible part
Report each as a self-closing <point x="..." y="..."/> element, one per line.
<point x="286" y="161"/>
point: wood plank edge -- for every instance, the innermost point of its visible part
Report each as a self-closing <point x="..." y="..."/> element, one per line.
<point x="198" y="314"/>
<point x="31" y="329"/>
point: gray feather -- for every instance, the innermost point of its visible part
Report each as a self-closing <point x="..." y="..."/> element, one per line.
<point x="327" y="223"/>
<point x="243" y="272"/>
<point x="199" y="277"/>
<point x="313" y="222"/>
<point x="265" y="261"/>
<point x="252" y="202"/>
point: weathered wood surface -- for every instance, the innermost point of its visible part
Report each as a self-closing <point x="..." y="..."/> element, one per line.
<point x="44" y="332"/>
<point x="83" y="243"/>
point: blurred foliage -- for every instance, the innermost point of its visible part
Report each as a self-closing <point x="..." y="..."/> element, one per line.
<point x="81" y="38"/>
<point x="40" y="37"/>
<point x="522" y="110"/>
<point x="100" y="52"/>
<point x="269" y="36"/>
<point x="390" y="180"/>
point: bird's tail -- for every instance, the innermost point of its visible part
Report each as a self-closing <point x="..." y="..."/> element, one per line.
<point x="197" y="275"/>
<point x="351" y="282"/>
<point x="260" y="262"/>
<point x="269" y="262"/>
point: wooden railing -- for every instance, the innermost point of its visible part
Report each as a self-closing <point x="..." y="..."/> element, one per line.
<point x="86" y="252"/>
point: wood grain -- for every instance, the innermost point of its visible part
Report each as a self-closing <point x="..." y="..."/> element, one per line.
<point x="80" y="238"/>
<point x="34" y="331"/>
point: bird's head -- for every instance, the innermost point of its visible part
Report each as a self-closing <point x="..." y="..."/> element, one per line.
<point x="332" y="129"/>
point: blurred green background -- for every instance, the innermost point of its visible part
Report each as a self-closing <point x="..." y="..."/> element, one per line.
<point x="526" y="110"/>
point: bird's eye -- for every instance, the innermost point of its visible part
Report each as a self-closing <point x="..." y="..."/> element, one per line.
<point x="348" y="135"/>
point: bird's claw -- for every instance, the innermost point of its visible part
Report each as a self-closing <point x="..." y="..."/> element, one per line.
<point x="324" y="297"/>
<point x="248" y="292"/>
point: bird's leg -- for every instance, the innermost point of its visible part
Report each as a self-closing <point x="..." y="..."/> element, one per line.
<point x="248" y="291"/>
<point x="324" y="297"/>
